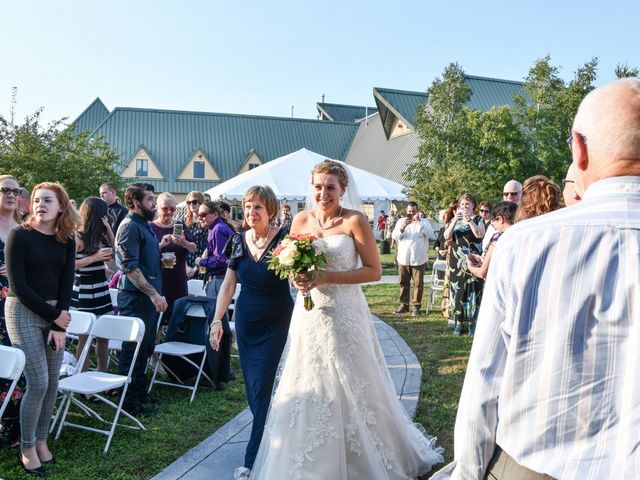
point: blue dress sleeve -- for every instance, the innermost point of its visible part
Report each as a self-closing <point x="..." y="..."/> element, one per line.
<point x="234" y="249"/>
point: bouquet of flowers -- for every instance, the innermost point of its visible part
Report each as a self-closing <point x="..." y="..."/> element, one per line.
<point x="299" y="254"/>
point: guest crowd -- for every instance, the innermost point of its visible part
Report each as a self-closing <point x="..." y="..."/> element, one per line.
<point x="551" y="390"/>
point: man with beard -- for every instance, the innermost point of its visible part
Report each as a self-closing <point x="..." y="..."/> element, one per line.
<point x="139" y="295"/>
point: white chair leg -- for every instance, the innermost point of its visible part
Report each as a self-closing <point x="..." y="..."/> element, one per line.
<point x="155" y="372"/>
<point x="195" y="386"/>
<point x="66" y="398"/>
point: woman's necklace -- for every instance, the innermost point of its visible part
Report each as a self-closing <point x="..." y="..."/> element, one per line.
<point x="332" y="222"/>
<point x="254" y="239"/>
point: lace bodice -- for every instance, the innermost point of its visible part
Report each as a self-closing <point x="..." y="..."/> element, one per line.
<point x="342" y="255"/>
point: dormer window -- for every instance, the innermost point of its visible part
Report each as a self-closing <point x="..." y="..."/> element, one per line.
<point x="253" y="165"/>
<point x="142" y="167"/>
<point x="198" y="169"/>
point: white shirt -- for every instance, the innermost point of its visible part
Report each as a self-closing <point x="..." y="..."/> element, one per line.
<point x="413" y="242"/>
<point x="554" y="372"/>
<point x="487" y="237"/>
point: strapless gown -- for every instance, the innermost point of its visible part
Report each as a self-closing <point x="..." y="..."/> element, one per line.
<point x="335" y="414"/>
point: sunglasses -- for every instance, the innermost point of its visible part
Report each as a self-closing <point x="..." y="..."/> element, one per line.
<point x="192" y="202"/>
<point x="482" y="210"/>
<point x="6" y="191"/>
<point x="566" y="180"/>
<point x="513" y="194"/>
<point x="203" y="215"/>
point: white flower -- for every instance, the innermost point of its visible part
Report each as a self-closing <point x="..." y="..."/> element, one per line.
<point x="320" y="246"/>
<point x="287" y="255"/>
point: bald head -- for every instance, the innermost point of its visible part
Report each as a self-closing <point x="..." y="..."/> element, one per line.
<point x="606" y="132"/>
<point x="569" y="192"/>
<point x="512" y="191"/>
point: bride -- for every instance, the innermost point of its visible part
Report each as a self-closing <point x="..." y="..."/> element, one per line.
<point x="335" y="413"/>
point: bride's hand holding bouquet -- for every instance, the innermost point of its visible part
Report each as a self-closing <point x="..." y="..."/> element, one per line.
<point x="301" y="257"/>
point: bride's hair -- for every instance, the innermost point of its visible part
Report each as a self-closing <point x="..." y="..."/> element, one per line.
<point x="333" y="168"/>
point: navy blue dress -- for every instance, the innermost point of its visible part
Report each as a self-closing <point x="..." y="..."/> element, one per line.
<point x="262" y="315"/>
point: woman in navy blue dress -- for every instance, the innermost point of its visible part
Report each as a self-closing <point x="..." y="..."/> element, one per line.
<point x="263" y="309"/>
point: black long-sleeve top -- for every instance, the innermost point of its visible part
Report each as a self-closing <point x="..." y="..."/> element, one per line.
<point x="39" y="269"/>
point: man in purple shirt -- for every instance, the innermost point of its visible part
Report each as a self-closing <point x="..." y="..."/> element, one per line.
<point x="213" y="258"/>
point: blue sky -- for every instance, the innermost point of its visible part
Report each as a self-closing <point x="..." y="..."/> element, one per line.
<point x="262" y="57"/>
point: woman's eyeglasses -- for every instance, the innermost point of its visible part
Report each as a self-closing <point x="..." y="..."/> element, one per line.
<point x="192" y="202"/>
<point x="204" y="215"/>
<point x="16" y="191"/>
<point x="168" y="209"/>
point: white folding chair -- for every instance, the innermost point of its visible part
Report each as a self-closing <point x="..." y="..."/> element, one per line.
<point x="182" y="349"/>
<point x="126" y="329"/>
<point x="11" y="366"/>
<point x="436" y="285"/>
<point x="195" y="288"/>
<point x="81" y="324"/>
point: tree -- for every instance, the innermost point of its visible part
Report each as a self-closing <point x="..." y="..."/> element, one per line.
<point x="463" y="150"/>
<point x="34" y="154"/>
<point x="624" y="71"/>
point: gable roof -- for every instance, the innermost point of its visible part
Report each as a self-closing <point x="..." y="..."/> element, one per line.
<point x="91" y="117"/>
<point x="344" y="113"/>
<point x="170" y="137"/>
<point x="373" y="149"/>
<point x="485" y="93"/>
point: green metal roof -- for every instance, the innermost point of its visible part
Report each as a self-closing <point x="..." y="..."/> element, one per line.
<point x="485" y="94"/>
<point x="344" y="113"/>
<point x="93" y="115"/>
<point x="171" y="137"/>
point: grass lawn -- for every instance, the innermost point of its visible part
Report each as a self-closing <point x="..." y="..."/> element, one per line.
<point x="179" y="426"/>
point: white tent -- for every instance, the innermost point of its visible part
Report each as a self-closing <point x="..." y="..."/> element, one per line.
<point x="290" y="176"/>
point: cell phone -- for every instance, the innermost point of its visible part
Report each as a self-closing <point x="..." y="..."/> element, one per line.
<point x="177" y="229"/>
<point x="409" y="216"/>
<point x="52" y="344"/>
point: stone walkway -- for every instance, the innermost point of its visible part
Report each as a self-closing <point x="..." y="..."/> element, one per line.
<point x="220" y="454"/>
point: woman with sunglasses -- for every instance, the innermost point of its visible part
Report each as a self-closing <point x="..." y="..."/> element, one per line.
<point x="172" y="238"/>
<point x="9" y="219"/>
<point x="196" y="232"/>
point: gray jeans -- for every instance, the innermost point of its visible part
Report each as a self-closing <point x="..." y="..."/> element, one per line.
<point x="28" y="332"/>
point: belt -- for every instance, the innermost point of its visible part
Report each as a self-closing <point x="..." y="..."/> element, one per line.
<point x="503" y="467"/>
<point x="218" y="276"/>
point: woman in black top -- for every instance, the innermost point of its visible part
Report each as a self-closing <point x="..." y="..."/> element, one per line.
<point x="40" y="259"/>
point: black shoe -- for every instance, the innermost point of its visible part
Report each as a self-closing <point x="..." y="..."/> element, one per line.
<point x="415" y="312"/>
<point x="402" y="309"/>
<point x="38" y="472"/>
<point x="48" y="462"/>
<point x="218" y="385"/>
<point x="140" y="411"/>
<point x="154" y="400"/>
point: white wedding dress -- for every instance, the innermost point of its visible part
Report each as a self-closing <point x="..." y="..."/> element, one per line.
<point x="335" y="414"/>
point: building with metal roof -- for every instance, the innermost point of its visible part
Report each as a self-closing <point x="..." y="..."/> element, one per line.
<point x="386" y="142"/>
<point x="179" y="151"/>
<point x="92" y="116"/>
<point x="343" y="113"/>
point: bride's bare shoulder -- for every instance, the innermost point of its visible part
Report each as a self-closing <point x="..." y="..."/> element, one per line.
<point x="354" y="216"/>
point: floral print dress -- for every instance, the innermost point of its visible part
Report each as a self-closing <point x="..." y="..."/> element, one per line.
<point x="465" y="289"/>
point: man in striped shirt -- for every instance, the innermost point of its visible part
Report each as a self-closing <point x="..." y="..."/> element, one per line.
<point x="552" y="389"/>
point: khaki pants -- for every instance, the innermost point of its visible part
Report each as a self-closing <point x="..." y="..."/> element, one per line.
<point x="406" y="274"/>
<point x="503" y="467"/>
